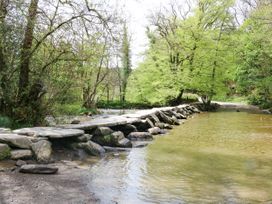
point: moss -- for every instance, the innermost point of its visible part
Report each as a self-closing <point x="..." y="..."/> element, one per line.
<point x="104" y="140"/>
<point x="4" y="153"/>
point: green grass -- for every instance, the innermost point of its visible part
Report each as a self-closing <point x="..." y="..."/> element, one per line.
<point x="71" y="109"/>
<point x="234" y="99"/>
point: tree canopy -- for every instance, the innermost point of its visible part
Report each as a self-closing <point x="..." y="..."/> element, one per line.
<point x="54" y="53"/>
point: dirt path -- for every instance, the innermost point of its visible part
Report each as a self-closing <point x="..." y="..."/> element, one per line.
<point x="69" y="186"/>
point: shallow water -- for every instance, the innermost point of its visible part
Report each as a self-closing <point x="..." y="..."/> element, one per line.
<point x="223" y="157"/>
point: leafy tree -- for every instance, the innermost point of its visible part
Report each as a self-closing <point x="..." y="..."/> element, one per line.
<point x="254" y="73"/>
<point x="126" y="63"/>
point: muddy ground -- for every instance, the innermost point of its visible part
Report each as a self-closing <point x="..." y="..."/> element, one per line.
<point x="68" y="186"/>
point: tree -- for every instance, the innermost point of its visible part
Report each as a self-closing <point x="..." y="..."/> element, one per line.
<point x="43" y="45"/>
<point x="254" y="73"/>
<point x="125" y="70"/>
<point x="190" y="52"/>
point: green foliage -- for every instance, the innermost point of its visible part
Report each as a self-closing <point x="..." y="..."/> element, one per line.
<point x="208" y="54"/>
<point x="127" y="105"/>
<point x="125" y="70"/>
<point x="5" y="122"/>
<point x="5" y="154"/>
<point x="254" y="73"/>
<point x="72" y="109"/>
<point x="197" y="56"/>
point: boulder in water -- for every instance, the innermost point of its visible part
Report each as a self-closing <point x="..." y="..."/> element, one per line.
<point x="38" y="169"/>
<point x="42" y="151"/>
<point x="140" y="136"/>
<point x="92" y="148"/>
<point x="154" y="131"/>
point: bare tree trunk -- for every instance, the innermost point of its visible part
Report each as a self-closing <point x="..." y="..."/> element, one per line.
<point x="26" y="49"/>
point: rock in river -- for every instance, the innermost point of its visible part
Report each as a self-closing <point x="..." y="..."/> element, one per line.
<point x="102" y="131"/>
<point x="92" y="148"/>
<point x="14" y="140"/>
<point x="38" y="169"/>
<point x="154" y="131"/>
<point x="142" y="125"/>
<point x="21" y="154"/>
<point x="20" y="163"/>
<point x="140" y="136"/>
<point x="115" y="139"/>
<point x="42" y="151"/>
<point x="126" y="129"/>
<point x="84" y="138"/>
<point x="49" y="132"/>
<point x="166" y="119"/>
<point x="5" y="130"/>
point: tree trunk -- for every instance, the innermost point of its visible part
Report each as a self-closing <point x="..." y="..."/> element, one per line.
<point x="212" y="91"/>
<point x="26" y="50"/>
<point x="4" y="99"/>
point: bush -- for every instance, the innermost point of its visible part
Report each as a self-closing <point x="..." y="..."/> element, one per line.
<point x="5" y="122"/>
<point x="126" y="105"/>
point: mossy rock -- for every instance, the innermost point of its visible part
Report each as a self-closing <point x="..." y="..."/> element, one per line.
<point x="111" y="140"/>
<point x="107" y="140"/>
<point x="4" y="152"/>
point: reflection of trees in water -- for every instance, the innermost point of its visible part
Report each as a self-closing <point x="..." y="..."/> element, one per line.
<point x="221" y="158"/>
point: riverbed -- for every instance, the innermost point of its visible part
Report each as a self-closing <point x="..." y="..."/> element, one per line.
<point x="223" y="157"/>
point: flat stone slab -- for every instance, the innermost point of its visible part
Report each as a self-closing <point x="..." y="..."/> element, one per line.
<point x="14" y="140"/>
<point x="118" y="120"/>
<point x="116" y="149"/>
<point x="101" y="122"/>
<point x="38" y="169"/>
<point x="49" y="132"/>
<point x="5" y="130"/>
<point x="21" y="154"/>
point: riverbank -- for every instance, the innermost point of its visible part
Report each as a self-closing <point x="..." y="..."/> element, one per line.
<point x="68" y="186"/>
<point x="51" y="146"/>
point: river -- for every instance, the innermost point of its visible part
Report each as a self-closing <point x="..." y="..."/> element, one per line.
<point x="223" y="157"/>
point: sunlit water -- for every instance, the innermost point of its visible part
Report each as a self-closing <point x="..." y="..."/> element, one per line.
<point x="223" y="157"/>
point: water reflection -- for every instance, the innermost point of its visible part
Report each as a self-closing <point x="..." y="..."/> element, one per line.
<point x="214" y="158"/>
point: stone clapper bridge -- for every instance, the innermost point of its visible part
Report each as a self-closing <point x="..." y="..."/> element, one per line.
<point x="95" y="137"/>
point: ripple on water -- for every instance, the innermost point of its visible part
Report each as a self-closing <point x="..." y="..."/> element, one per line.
<point x="213" y="158"/>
